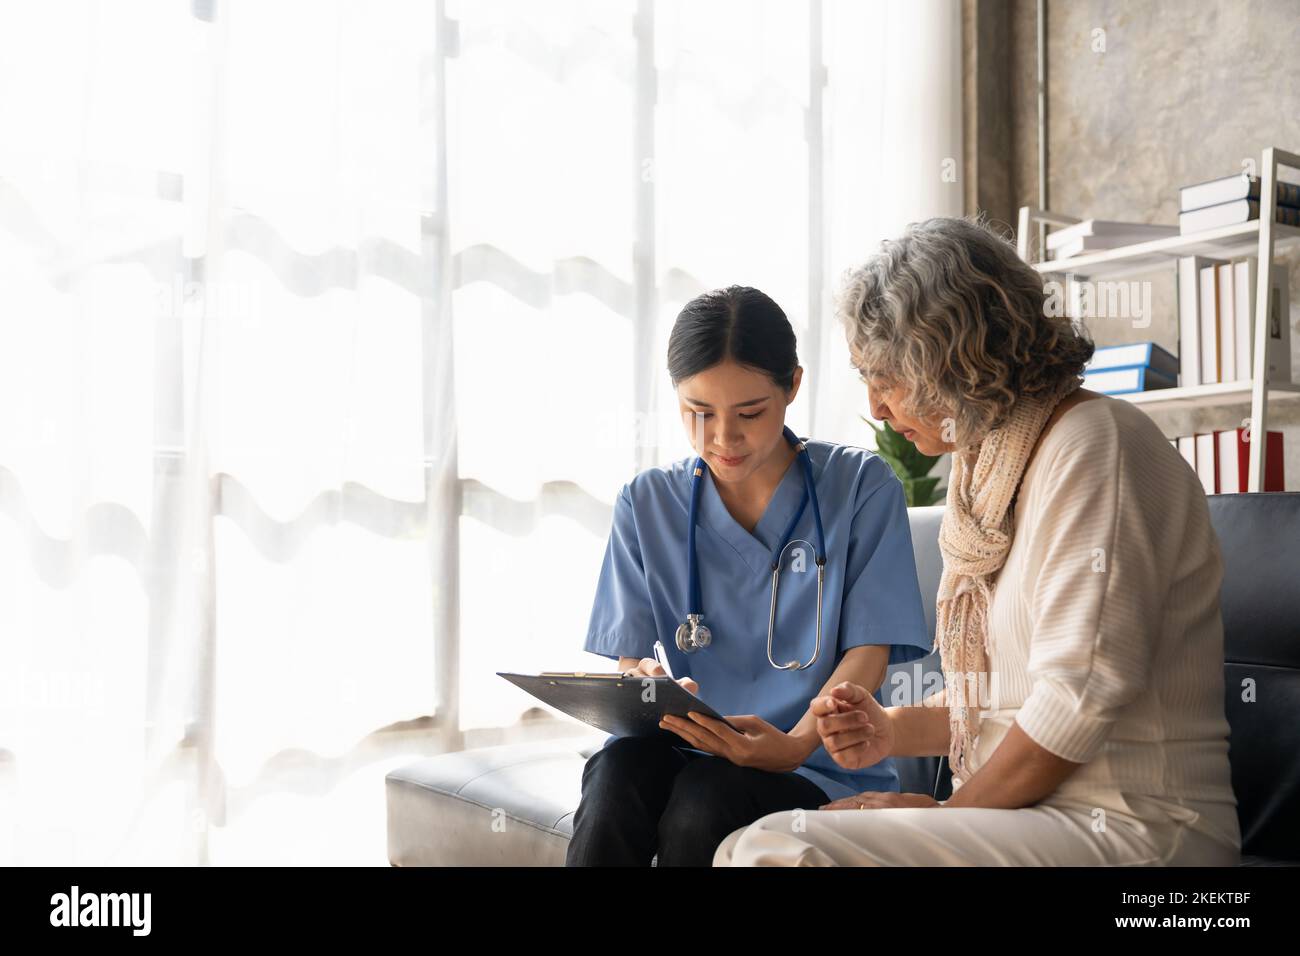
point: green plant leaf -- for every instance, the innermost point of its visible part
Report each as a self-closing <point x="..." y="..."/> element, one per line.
<point x="921" y="492"/>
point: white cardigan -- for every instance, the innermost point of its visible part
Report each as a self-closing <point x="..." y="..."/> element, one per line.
<point x="1106" y="641"/>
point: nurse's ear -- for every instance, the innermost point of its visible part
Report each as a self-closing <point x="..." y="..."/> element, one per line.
<point x="794" y="386"/>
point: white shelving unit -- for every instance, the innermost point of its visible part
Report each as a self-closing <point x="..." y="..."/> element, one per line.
<point x="1263" y="238"/>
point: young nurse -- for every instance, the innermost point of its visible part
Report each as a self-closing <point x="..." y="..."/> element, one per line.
<point x="733" y="362"/>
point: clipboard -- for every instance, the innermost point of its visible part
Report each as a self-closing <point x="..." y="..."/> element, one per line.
<point x="625" y="706"/>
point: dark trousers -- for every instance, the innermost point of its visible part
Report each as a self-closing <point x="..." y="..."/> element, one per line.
<point x="647" y="795"/>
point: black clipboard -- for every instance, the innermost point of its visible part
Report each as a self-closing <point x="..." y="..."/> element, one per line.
<point x="625" y="706"/>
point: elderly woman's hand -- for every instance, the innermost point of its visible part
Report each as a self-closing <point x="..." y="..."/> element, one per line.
<point x="856" y="731"/>
<point x="872" y="800"/>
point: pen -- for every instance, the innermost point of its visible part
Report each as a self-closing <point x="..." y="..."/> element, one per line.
<point x="661" y="656"/>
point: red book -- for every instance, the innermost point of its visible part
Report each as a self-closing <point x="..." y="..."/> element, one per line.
<point x="1234" y="461"/>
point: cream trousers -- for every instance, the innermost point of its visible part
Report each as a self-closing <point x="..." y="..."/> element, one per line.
<point x="1118" y="830"/>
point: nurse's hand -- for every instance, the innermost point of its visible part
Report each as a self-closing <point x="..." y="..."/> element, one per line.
<point x="758" y="744"/>
<point x="854" y="729"/>
<point x="649" y="667"/>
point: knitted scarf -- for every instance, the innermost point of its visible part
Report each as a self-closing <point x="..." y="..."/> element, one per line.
<point x="974" y="538"/>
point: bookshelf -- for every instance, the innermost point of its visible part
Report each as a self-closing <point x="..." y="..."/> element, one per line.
<point x="1226" y="242"/>
<point x="1263" y="238"/>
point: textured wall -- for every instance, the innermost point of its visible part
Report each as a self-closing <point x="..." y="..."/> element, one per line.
<point x="1183" y="92"/>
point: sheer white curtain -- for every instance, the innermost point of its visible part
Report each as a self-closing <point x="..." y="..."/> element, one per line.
<point x="329" y="330"/>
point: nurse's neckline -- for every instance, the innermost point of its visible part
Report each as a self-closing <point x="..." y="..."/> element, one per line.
<point x="748" y="514"/>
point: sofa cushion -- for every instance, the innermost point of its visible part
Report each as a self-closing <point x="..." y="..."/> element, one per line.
<point x="510" y="805"/>
<point x="1258" y="536"/>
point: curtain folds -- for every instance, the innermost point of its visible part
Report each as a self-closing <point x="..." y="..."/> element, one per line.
<point x="329" y="332"/>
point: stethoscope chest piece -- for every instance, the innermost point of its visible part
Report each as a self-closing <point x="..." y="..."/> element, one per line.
<point x="693" y="636"/>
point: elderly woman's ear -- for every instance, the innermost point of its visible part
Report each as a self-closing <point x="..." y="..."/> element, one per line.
<point x="952" y="314"/>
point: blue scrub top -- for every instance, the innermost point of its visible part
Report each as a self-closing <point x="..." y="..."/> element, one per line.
<point x="871" y="590"/>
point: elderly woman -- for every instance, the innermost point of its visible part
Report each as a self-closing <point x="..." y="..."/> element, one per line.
<point x="1078" y="614"/>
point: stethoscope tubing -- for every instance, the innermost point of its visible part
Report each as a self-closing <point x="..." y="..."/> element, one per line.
<point x="695" y="612"/>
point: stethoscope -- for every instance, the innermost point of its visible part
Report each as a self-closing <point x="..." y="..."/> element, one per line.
<point x="694" y="635"/>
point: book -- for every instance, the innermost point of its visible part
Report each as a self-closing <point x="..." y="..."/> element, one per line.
<point x="1207" y="462"/>
<point x="1231" y="214"/>
<point x="1227" y="328"/>
<point x="1122" y="381"/>
<point x="1209" y="339"/>
<point x="1244" y="278"/>
<point x="1104" y="230"/>
<point x="1234" y="462"/>
<point x="1228" y="188"/>
<point x="1087" y="244"/>
<point x="1133" y="355"/>
<point x="1277" y="352"/>
<point x="1187" y="448"/>
<point x="1189" y="319"/>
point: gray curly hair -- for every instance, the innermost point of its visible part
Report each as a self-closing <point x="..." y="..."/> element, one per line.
<point x="952" y="313"/>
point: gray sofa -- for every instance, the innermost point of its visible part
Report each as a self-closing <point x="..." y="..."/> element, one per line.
<point x="513" y="805"/>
